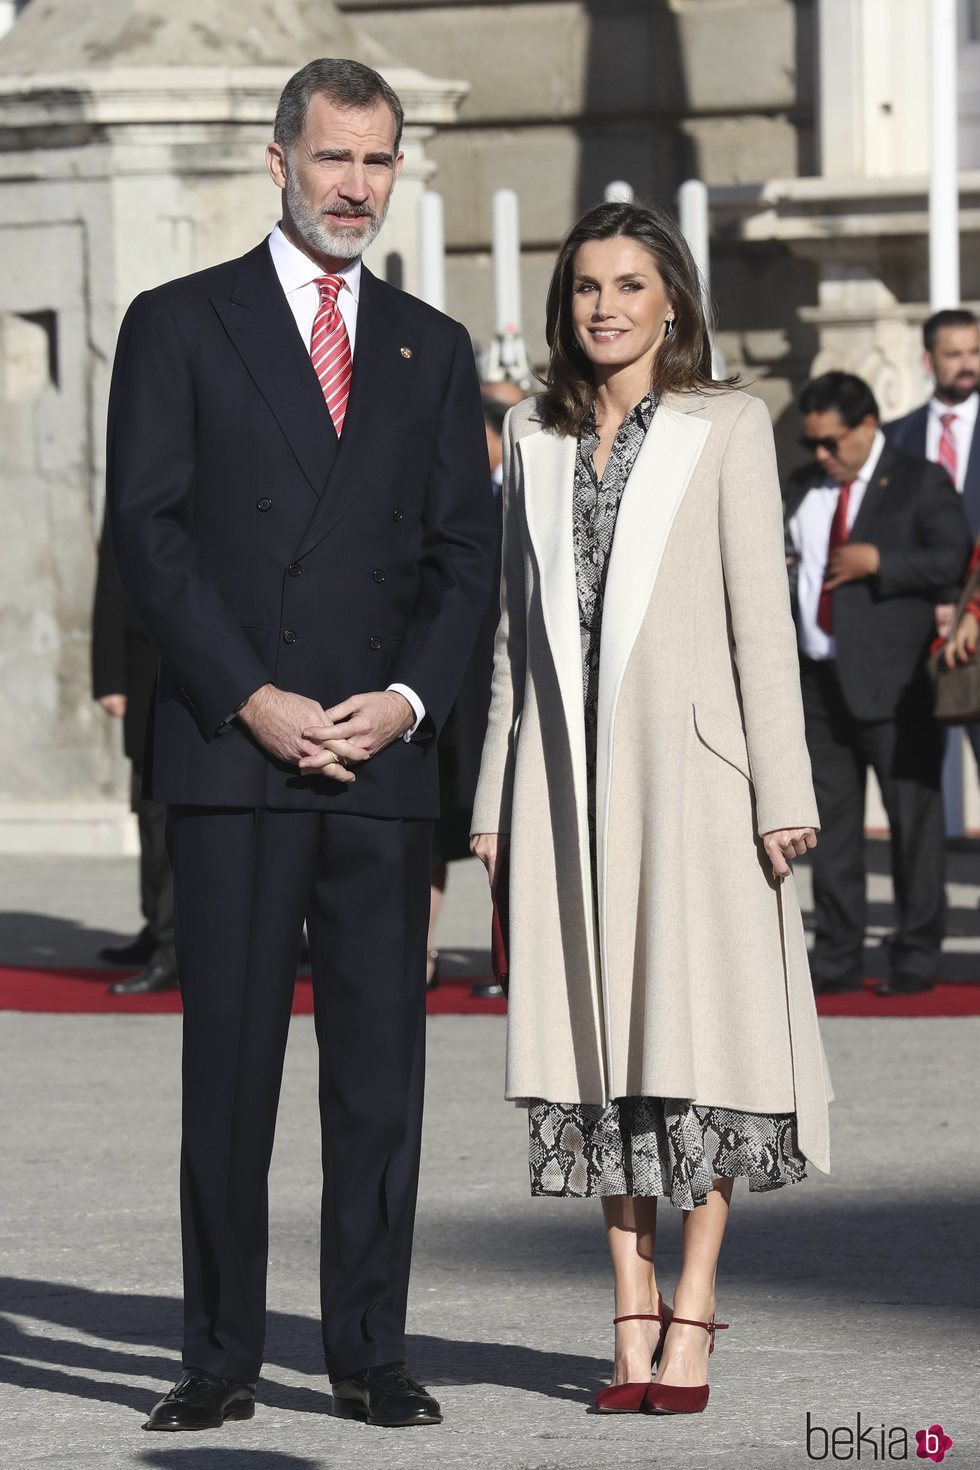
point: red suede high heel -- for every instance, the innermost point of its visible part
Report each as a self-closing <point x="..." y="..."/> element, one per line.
<point x="668" y="1398"/>
<point x="627" y="1398"/>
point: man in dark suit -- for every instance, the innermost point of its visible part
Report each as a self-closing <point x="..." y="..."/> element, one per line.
<point x="298" y="506"/>
<point x="124" y="669"/>
<point x="944" y="429"/>
<point x="878" y="536"/>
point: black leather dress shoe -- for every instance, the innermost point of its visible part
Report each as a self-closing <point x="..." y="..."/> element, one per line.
<point x="198" y="1400"/>
<point x="904" y="985"/>
<point x="386" y="1397"/>
<point x="136" y="952"/>
<point x="850" y="986"/>
<point x="160" y="974"/>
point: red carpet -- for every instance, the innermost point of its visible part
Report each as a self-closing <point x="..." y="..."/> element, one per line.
<point x="85" y="992"/>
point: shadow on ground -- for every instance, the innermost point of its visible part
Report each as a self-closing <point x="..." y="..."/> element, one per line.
<point x="810" y="1251"/>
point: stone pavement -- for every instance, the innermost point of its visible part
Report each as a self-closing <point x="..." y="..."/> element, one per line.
<point x="854" y="1295"/>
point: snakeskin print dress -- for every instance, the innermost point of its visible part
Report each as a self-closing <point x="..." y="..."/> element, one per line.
<point x="639" y="1145"/>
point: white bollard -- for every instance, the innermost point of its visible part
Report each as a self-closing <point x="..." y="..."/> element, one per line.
<point x="432" y="251"/>
<point x="619" y="192"/>
<point x="508" y="356"/>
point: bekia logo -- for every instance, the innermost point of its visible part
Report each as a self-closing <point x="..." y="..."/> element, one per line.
<point x="933" y="1444"/>
<point x="874" y="1443"/>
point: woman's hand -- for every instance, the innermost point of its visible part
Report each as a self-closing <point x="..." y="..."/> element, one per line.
<point x="786" y="844"/>
<point x="963" y="644"/>
<point x="489" y="847"/>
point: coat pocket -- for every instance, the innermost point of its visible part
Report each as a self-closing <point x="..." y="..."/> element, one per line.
<point x="722" y="735"/>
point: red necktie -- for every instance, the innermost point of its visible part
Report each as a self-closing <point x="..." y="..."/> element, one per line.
<point x="838" y="536"/>
<point x="947" y="446"/>
<point x="330" y="350"/>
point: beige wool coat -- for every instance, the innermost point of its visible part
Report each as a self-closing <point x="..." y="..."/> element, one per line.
<point x="694" y="981"/>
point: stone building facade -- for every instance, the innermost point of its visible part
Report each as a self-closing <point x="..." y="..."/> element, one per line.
<point x="131" y="150"/>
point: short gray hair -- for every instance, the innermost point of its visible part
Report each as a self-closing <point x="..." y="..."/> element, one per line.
<point x="345" y="83"/>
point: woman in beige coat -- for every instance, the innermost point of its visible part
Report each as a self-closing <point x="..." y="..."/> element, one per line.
<point x="645" y="774"/>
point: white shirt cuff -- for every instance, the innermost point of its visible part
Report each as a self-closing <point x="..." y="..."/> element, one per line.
<point x="415" y="702"/>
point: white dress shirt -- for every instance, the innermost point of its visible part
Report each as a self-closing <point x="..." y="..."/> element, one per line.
<point x="809" y="530"/>
<point x="297" y="274"/>
<point x="963" y="426"/>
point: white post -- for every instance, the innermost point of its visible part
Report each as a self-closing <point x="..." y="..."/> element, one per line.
<point x="508" y="356"/>
<point x="944" y="234"/>
<point x="432" y="251"/>
<point x="944" y="273"/>
<point x="692" y="213"/>
<point x="8" y="14"/>
<point x="618" y="191"/>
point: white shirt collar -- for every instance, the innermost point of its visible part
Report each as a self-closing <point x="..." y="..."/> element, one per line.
<point x="295" y="269"/>
<point x="966" y="412"/>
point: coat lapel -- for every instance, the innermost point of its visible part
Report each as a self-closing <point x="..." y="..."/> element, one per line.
<point x="380" y="385"/>
<point x="652" y="497"/>
<point x="874" y="496"/>
<point x="549" y="480"/>
<point x="262" y="329"/>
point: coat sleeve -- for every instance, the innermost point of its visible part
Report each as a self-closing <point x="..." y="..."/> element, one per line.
<point x="459" y="541"/>
<point x="109" y="672"/>
<point x="149" y="499"/>
<point x="494" y="793"/>
<point x="753" y="557"/>
<point x="934" y="567"/>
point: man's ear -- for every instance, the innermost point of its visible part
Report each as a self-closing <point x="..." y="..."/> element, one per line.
<point x="275" y="159"/>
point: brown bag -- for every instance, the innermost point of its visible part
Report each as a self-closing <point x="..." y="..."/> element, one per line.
<point x="957" y="688"/>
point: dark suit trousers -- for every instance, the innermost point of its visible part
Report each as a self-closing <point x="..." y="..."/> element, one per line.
<point x="906" y="756"/>
<point x="244" y="882"/>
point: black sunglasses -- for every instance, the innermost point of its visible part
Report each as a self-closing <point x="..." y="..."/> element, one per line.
<point x="812" y="445"/>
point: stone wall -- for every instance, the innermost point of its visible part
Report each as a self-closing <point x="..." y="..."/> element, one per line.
<point x="567" y="95"/>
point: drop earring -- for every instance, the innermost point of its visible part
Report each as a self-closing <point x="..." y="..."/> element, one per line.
<point x="668" y="326"/>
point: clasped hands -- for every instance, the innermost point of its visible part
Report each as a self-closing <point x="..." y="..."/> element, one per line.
<point x="300" y="732"/>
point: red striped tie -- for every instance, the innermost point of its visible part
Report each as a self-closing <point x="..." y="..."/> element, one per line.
<point x="947" y="446"/>
<point x="330" y="350"/>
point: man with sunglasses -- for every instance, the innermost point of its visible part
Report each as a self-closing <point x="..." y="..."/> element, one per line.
<point x="879" y="537"/>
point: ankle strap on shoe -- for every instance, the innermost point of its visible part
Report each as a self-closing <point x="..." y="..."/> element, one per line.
<point x="710" y="1327"/>
<point x="661" y="1315"/>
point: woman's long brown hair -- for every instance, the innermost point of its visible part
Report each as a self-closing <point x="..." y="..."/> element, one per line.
<point x="683" y="359"/>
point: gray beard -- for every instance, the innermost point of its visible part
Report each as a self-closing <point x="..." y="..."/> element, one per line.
<point x="316" y="232"/>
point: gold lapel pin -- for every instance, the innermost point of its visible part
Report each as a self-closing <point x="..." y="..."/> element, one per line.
<point x="883" y="480"/>
<point x="406" y="352"/>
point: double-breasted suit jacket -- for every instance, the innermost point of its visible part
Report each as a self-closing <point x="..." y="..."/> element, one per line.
<point x="682" y="972"/>
<point x="257" y="548"/>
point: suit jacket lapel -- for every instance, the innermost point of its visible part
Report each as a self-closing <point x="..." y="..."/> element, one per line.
<point x="381" y="382"/>
<point x="971" y="482"/>
<point x="874" y="495"/>
<point x="262" y="328"/>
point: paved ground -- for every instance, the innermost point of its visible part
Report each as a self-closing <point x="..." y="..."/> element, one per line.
<point x="853" y="1295"/>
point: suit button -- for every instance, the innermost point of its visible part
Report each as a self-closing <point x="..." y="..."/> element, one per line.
<point x="398" y="515"/>
<point x="375" y="644"/>
<point x="295" y="569"/>
<point x="264" y="504"/>
<point x="378" y="576"/>
<point x="289" y="636"/>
